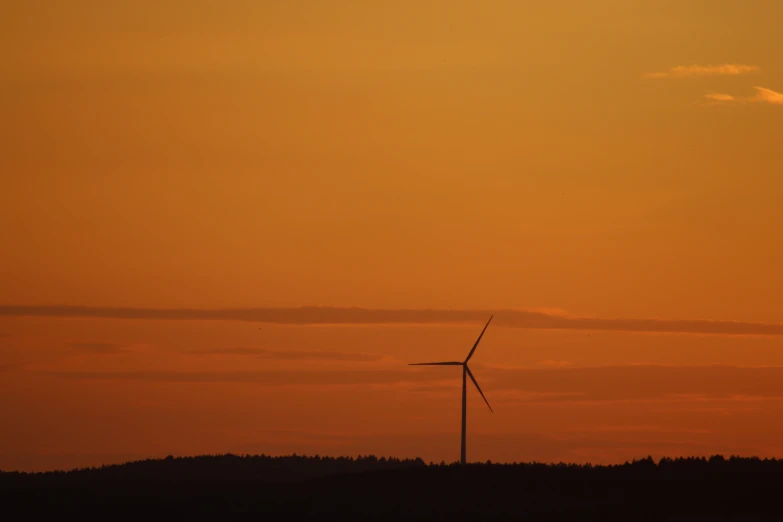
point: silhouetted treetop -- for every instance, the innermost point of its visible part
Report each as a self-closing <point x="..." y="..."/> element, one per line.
<point x="301" y="467"/>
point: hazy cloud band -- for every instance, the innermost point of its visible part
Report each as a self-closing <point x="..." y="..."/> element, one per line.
<point x="690" y="71"/>
<point x="291" y="355"/>
<point x="365" y="316"/>
<point x="600" y="383"/>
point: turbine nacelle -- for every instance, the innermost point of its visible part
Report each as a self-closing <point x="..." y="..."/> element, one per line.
<point x="464" y="364"/>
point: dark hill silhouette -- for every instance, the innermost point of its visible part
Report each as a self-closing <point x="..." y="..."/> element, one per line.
<point x="263" y="468"/>
<point x="326" y="488"/>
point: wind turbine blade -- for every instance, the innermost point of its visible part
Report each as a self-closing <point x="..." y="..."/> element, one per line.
<point x="437" y="364"/>
<point x="478" y="387"/>
<point x="477" y="340"/>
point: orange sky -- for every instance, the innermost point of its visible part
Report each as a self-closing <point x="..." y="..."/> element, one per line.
<point x="604" y="159"/>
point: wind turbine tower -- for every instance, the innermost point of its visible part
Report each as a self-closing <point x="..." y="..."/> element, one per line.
<point x="465" y="374"/>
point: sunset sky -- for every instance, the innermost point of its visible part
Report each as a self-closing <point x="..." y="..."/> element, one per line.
<point x="605" y="176"/>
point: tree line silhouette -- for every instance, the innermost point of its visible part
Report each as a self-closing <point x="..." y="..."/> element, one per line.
<point x="229" y="467"/>
<point x="371" y="488"/>
<point x="302" y="467"/>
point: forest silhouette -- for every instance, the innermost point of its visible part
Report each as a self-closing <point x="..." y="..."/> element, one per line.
<point x="368" y="487"/>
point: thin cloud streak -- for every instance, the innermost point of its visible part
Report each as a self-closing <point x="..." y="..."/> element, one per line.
<point x="763" y="95"/>
<point x="364" y="316"/>
<point x="695" y="71"/>
<point x="768" y="96"/>
<point x="290" y="355"/>
<point x="718" y="97"/>
<point x="583" y="384"/>
<point x="98" y="348"/>
<point x="267" y="378"/>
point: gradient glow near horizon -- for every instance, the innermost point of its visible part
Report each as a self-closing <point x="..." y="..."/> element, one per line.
<point x="605" y="159"/>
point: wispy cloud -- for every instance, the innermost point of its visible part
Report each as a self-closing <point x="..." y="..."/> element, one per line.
<point x="267" y="378"/>
<point x="600" y="383"/>
<point x="763" y="95"/>
<point x="366" y="316"/>
<point x="554" y="364"/>
<point x="718" y="97"/>
<point x="767" y="96"/>
<point x="97" y="348"/>
<point x="291" y="355"/>
<point x="694" y="71"/>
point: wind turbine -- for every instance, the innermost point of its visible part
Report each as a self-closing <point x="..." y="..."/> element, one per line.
<point x="465" y="373"/>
